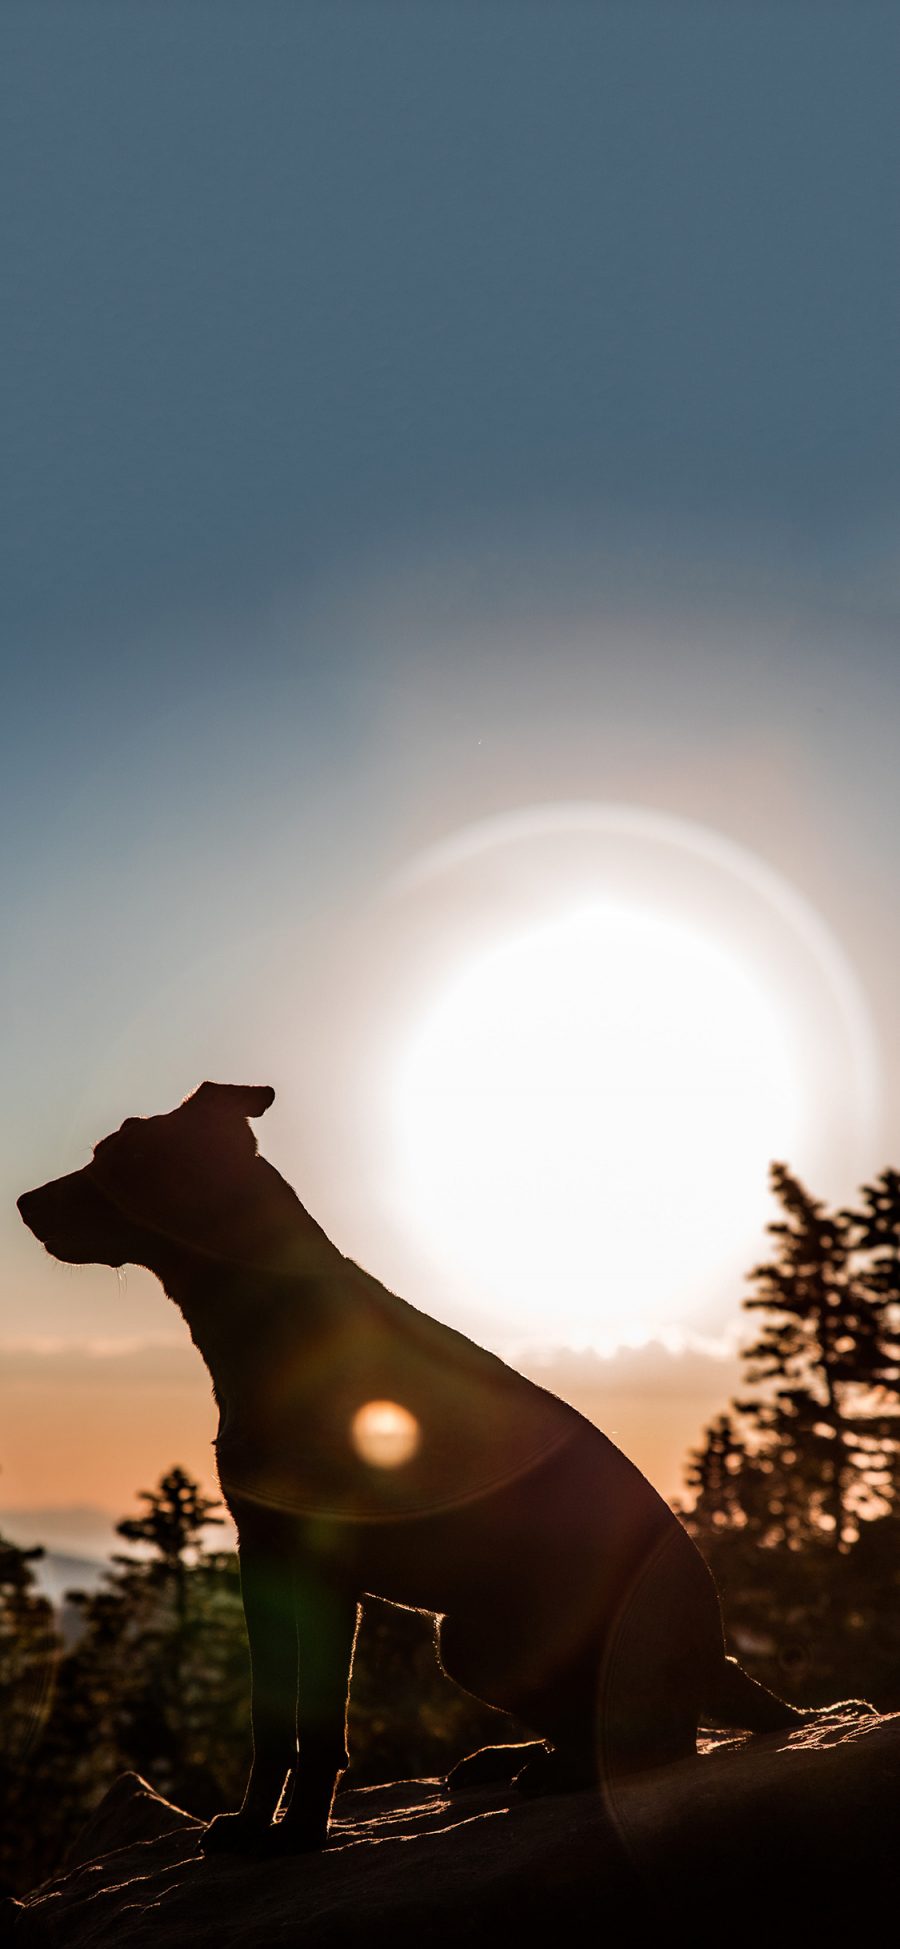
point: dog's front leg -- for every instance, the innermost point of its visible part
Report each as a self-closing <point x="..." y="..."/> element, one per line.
<point x="327" y="1621"/>
<point x="269" y="1609"/>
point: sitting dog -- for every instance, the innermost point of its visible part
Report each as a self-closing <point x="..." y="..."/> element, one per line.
<point x="567" y="1592"/>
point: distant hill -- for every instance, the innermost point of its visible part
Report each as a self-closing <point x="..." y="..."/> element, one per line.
<point x="80" y="1530"/>
<point x="77" y="1545"/>
<point x="56" y="1574"/>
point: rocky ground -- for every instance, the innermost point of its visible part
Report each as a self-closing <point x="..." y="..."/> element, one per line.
<point x="752" y="1839"/>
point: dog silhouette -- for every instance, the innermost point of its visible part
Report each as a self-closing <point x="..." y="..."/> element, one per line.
<point x="567" y="1592"/>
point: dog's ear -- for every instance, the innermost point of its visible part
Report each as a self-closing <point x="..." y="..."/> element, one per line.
<point x="237" y="1099"/>
<point x="191" y="1177"/>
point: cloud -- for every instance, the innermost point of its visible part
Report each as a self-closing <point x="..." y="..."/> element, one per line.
<point x="699" y="1366"/>
<point x="98" y="1363"/>
<point x="655" y="1370"/>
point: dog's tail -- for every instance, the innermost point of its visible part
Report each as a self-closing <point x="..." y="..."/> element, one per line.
<point x="732" y="1698"/>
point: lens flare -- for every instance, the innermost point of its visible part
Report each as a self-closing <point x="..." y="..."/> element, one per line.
<point x="385" y="1434"/>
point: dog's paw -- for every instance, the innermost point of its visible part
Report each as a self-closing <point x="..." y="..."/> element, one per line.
<point x="241" y="1833"/>
<point x="286" y="1837"/>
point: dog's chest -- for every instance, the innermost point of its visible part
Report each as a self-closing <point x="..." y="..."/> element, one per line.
<point x="370" y="1424"/>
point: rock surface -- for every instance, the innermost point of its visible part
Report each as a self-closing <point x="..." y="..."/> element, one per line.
<point x="751" y="1837"/>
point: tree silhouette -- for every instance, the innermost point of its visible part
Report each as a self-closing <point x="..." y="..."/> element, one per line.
<point x="172" y="1529"/>
<point x="173" y="1523"/>
<point x="177" y="1608"/>
<point x="820" y="1343"/>
<point x="156" y="1681"/>
<point x="874" y="1232"/>
<point x="793" y="1491"/>
<point x="29" y="1650"/>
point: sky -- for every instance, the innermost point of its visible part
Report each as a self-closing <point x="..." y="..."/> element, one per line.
<point x="416" y="416"/>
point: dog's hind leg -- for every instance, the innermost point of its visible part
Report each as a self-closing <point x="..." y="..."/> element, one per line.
<point x="733" y="1698"/>
<point x="479" y="1655"/>
<point x="679" y="1593"/>
<point x="656" y="1655"/>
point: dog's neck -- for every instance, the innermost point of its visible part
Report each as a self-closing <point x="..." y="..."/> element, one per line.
<point x="243" y="1272"/>
<point x="235" y="1313"/>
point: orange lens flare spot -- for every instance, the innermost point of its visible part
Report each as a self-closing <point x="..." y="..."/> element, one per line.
<point x="384" y="1434"/>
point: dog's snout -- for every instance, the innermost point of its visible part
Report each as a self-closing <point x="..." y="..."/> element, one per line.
<point x="32" y="1208"/>
<point x="71" y="1220"/>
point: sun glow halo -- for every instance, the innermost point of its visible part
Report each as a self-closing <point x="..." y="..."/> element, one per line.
<point x="582" y="1118"/>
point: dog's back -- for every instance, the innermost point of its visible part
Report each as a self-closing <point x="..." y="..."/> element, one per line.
<point x="290" y="1417"/>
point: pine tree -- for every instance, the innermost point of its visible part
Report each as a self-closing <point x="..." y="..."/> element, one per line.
<point x="172" y="1527"/>
<point x="175" y="1603"/>
<point x="874" y="1232"/>
<point x="715" y="1477"/>
<point x="174" y="1520"/>
<point x="821" y="1346"/>
<point x="29" y="1652"/>
<point x="158" y="1680"/>
<point x="794" y="1491"/>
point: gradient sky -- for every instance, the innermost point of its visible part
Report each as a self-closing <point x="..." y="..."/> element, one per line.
<point x="414" y="413"/>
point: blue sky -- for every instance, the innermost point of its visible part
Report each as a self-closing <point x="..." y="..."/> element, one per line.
<point x="414" y="412"/>
<point x="297" y="283"/>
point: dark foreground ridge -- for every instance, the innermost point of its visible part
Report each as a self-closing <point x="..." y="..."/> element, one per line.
<point x="754" y="1834"/>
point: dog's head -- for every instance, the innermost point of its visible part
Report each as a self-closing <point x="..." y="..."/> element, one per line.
<point x="190" y="1181"/>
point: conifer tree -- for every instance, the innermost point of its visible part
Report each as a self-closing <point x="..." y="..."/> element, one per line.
<point x="158" y="1680"/>
<point x="172" y="1527"/>
<point x="875" y="1237"/>
<point x="795" y="1491"/>
<point x="819" y="1353"/>
<point x="29" y="1650"/>
<point x="874" y="1231"/>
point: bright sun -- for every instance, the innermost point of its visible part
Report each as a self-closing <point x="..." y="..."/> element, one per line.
<point x="579" y="1115"/>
